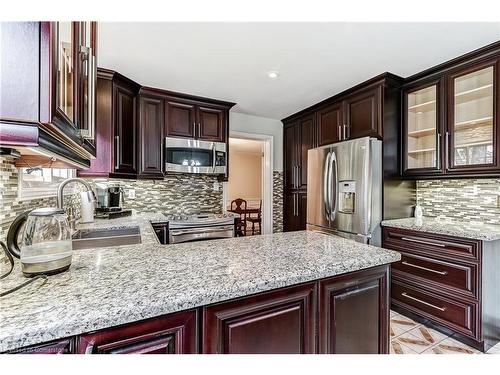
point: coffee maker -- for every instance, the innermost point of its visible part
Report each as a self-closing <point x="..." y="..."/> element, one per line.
<point x="109" y="201"/>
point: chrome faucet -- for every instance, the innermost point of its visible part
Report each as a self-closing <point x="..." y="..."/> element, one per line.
<point x="60" y="196"/>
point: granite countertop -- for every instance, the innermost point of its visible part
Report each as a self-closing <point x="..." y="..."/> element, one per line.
<point x="448" y="226"/>
<point x="107" y="287"/>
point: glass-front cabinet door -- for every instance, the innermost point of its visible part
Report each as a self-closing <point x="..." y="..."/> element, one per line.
<point x="66" y="69"/>
<point x="422" y="137"/>
<point x="471" y="119"/>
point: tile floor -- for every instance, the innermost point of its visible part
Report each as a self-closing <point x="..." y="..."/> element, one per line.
<point x="410" y="337"/>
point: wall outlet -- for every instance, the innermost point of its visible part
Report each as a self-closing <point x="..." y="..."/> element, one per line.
<point x="216" y="186"/>
<point x="131" y="193"/>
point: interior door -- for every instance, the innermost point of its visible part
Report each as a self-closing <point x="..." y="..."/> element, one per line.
<point x="472" y="122"/>
<point x="180" y="118"/>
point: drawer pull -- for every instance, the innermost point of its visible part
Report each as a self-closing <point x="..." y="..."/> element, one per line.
<point x="423" y="242"/>
<point x="404" y="294"/>
<point x="424" y="268"/>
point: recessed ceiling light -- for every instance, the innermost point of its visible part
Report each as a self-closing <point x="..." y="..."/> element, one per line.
<point x="273" y="74"/>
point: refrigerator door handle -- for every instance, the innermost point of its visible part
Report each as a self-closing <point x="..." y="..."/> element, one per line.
<point x="326" y="190"/>
<point x="333" y="186"/>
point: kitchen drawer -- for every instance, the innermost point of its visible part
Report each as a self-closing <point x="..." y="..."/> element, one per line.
<point x="431" y="244"/>
<point x="451" y="277"/>
<point x="458" y="315"/>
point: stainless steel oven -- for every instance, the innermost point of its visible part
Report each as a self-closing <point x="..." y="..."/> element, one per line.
<point x="194" y="156"/>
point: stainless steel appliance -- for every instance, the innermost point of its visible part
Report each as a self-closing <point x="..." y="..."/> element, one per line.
<point x="194" y="156"/>
<point x="45" y="247"/>
<point x="344" y="189"/>
<point x="209" y="226"/>
<point x="109" y="196"/>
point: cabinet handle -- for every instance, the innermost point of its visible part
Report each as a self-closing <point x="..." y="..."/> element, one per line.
<point x="199" y="129"/>
<point x="340" y="132"/>
<point x="423" y="242"/>
<point x="344" y="133"/>
<point x="117" y="151"/>
<point x="89" y="349"/>
<point x="438" y="151"/>
<point x="194" y="129"/>
<point x="446" y="150"/>
<point x="404" y="294"/>
<point x="424" y="268"/>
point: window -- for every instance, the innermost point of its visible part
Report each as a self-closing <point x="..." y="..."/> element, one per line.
<point x="41" y="182"/>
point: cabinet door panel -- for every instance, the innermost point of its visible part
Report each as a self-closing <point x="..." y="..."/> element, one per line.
<point x="211" y="124"/>
<point x="180" y="119"/>
<point x="290" y="218"/>
<point x="354" y="314"/>
<point x="151" y="124"/>
<point x="422" y="140"/>
<point x="280" y="322"/>
<point x="329" y="124"/>
<point x="125" y="131"/>
<point x="363" y="114"/>
<point x="290" y="141"/>
<point x="306" y="141"/>
<point x="171" y="334"/>
<point x="472" y="125"/>
<point x="302" y="210"/>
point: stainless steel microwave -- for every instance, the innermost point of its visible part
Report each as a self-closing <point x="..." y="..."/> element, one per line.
<point x="194" y="156"/>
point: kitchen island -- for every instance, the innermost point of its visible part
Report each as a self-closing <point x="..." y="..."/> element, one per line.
<point x="299" y="292"/>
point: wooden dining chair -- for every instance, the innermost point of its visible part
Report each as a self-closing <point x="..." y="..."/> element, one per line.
<point x="239" y="206"/>
<point x="256" y="220"/>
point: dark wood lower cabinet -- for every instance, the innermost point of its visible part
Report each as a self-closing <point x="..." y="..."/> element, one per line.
<point x="281" y="322"/>
<point x="171" y="334"/>
<point x="353" y="313"/>
<point x="348" y="313"/>
<point x="450" y="282"/>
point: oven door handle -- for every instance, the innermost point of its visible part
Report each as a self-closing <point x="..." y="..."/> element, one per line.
<point x="175" y="232"/>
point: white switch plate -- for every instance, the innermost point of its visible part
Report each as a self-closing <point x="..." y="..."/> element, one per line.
<point x="131" y="193"/>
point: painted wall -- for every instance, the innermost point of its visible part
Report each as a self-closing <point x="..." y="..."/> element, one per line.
<point x="242" y="122"/>
<point x="245" y="179"/>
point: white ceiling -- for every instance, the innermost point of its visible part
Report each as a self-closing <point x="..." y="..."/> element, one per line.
<point x="229" y="61"/>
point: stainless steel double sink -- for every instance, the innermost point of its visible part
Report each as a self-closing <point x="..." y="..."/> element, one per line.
<point x="104" y="237"/>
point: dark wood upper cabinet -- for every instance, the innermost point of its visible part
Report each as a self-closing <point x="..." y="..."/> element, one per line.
<point x="330" y="124"/>
<point x="151" y="129"/>
<point x="48" y="81"/>
<point x="423" y="139"/>
<point x="277" y="322"/>
<point x="180" y="118"/>
<point x="125" y="130"/>
<point x="133" y="121"/>
<point x="354" y="314"/>
<point x="170" y="334"/>
<point x="211" y="124"/>
<point x="290" y="142"/>
<point x="472" y="128"/>
<point x="363" y="114"/>
<point x="307" y="140"/>
<point x="189" y="118"/>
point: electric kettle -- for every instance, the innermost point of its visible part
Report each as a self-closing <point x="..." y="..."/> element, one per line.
<point x="46" y="246"/>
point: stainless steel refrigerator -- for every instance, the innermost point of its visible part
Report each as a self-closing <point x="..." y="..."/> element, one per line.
<point x="344" y="189"/>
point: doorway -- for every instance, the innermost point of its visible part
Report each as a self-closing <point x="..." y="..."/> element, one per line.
<point x="251" y="177"/>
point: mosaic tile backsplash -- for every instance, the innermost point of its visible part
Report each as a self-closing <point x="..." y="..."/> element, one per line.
<point x="467" y="199"/>
<point x="277" y="201"/>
